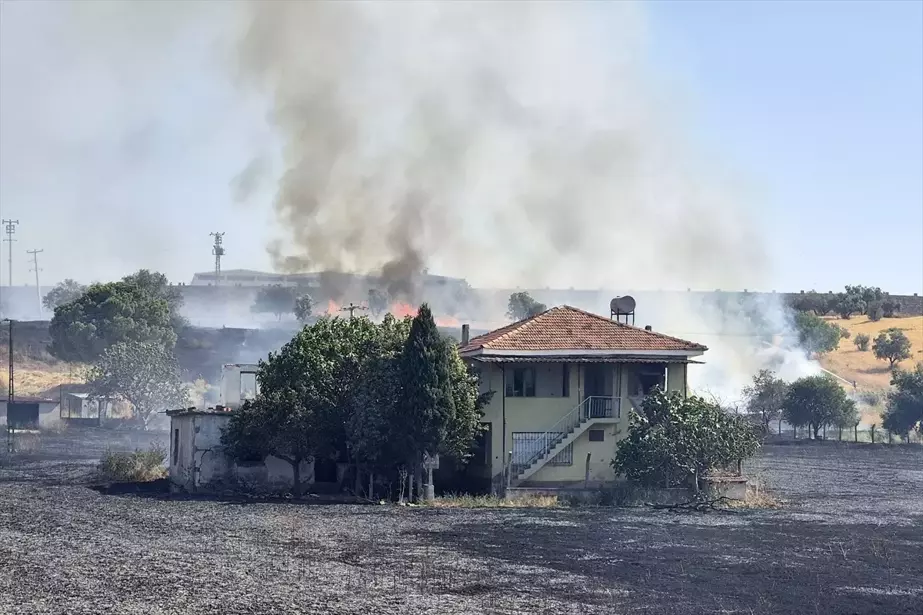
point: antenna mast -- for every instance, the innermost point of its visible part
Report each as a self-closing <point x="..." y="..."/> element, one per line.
<point x="38" y="289"/>
<point x="218" y="251"/>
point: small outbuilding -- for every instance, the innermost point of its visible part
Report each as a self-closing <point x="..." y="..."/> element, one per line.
<point x="198" y="462"/>
<point x="30" y="412"/>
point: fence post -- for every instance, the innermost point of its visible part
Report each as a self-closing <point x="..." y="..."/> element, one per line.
<point x="873" y="433"/>
<point x="889" y="436"/>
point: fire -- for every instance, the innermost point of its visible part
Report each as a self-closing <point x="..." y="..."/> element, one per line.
<point x="399" y="310"/>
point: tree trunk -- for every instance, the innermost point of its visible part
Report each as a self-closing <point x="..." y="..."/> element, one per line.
<point x="296" y="477"/>
<point x="410" y="486"/>
<point x="372" y="485"/>
<point x="815" y="428"/>
<point x="418" y="475"/>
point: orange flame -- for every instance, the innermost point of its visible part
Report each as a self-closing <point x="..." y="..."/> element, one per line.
<point x="332" y="308"/>
<point x="401" y="310"/>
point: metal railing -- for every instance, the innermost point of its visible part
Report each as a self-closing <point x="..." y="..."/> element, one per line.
<point x="595" y="407"/>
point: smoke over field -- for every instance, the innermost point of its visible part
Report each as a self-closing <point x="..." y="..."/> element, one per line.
<point x="515" y="144"/>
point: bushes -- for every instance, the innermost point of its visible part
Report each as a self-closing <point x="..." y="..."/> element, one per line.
<point x="137" y="466"/>
<point x="862" y="342"/>
<point x="675" y="441"/>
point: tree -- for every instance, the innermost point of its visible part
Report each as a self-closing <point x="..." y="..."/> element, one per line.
<point x="862" y="341"/>
<point x="144" y="373"/>
<point x="765" y="397"/>
<point x="813" y="301"/>
<point x="439" y="402"/>
<point x="848" y="304"/>
<point x="905" y="402"/>
<point x="107" y="314"/>
<point x="675" y="441"/>
<point x="815" y="335"/>
<point x="275" y="299"/>
<point x="521" y="306"/>
<point x="890" y="308"/>
<point x="378" y="302"/>
<point x="892" y="345"/>
<point x="874" y="311"/>
<point x="273" y="424"/>
<point x="307" y="390"/>
<point x="815" y="401"/>
<point x="63" y="292"/>
<point x="156" y="286"/>
<point x="303" y="308"/>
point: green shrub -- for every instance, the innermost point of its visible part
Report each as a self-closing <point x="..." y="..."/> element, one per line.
<point x="137" y="466"/>
<point x="673" y="441"/>
<point x="862" y="341"/>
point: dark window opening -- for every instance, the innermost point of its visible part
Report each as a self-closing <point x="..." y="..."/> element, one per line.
<point x="522" y="383"/>
<point x="597" y="435"/>
<point x="565" y="384"/>
<point x="175" y="445"/>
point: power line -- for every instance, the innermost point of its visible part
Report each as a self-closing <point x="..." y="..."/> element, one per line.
<point x="38" y="289"/>
<point x="352" y="308"/>
<point x="10" y="229"/>
<point x="218" y="251"/>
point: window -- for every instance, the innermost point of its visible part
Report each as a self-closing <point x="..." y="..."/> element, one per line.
<point x="521" y="382"/>
<point x="597" y="435"/>
<point x="565" y="383"/>
<point x="175" y="445"/>
<point x="248" y="386"/>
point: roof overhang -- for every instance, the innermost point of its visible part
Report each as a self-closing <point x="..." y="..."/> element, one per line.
<point x="613" y="354"/>
<point x="583" y="359"/>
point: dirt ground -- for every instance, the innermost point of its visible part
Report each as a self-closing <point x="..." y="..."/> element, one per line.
<point x="848" y="541"/>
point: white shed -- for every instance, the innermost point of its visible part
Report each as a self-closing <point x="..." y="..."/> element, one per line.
<point x="198" y="462"/>
<point x="30" y="412"/>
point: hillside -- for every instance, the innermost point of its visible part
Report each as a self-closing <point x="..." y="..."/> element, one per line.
<point x="862" y="367"/>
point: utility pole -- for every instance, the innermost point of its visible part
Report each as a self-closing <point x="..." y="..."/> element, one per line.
<point x="352" y="308"/>
<point x="38" y="289"/>
<point x="218" y="251"/>
<point x="10" y="228"/>
<point x="10" y="393"/>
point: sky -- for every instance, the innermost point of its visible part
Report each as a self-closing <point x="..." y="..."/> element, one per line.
<point x="120" y="141"/>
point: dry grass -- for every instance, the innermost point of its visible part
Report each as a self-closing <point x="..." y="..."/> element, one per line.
<point x="758" y="497"/>
<point x="489" y="501"/>
<point x="35" y="377"/>
<point x="138" y="466"/>
<point x="862" y="367"/>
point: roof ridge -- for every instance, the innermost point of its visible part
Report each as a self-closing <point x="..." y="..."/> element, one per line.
<point x="627" y="326"/>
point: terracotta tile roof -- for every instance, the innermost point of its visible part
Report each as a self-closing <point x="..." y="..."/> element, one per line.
<point x="568" y="328"/>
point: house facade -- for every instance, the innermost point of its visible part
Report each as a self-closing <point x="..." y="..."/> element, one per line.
<point x="564" y="382"/>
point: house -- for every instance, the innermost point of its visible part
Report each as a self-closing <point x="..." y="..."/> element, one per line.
<point x="197" y="459"/>
<point x="30" y="412"/>
<point x="564" y="382"/>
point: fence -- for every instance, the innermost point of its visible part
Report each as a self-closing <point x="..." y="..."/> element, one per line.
<point x="864" y="434"/>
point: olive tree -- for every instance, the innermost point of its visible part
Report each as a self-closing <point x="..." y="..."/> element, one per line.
<point x="765" y="397"/>
<point x="675" y="441"/>
<point x="892" y="345"/>
<point x="816" y="401"/>
<point x="905" y="402"/>
<point x="144" y="373"/>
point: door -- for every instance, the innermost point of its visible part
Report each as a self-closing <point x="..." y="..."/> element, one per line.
<point x="595" y="387"/>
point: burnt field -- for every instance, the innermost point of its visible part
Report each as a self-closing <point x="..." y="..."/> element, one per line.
<point x="849" y="540"/>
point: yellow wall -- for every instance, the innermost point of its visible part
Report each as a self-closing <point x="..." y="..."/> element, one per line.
<point x="541" y="413"/>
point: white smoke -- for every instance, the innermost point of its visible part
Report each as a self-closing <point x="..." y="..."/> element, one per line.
<point x="525" y="144"/>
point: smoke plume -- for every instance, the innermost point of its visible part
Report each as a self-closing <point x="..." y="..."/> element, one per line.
<point x="511" y="143"/>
